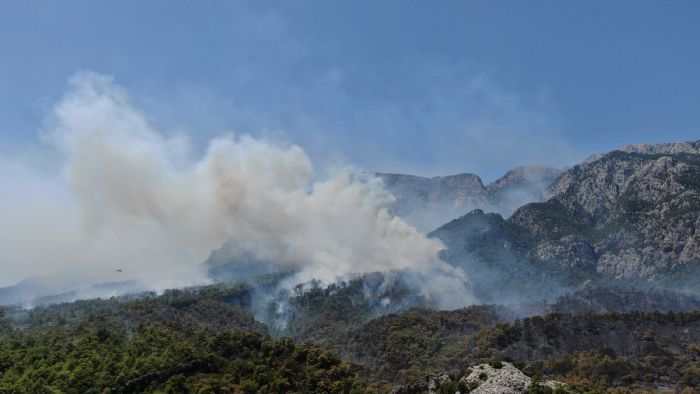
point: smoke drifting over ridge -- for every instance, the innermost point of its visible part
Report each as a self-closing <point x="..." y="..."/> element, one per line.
<point x="129" y="198"/>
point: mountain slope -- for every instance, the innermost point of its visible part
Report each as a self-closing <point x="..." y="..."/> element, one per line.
<point x="625" y="215"/>
<point x="427" y="203"/>
<point x="628" y="215"/>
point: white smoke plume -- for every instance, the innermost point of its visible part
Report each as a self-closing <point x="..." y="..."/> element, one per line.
<point x="128" y="198"/>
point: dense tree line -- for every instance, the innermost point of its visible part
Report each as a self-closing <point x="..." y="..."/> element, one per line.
<point x="205" y="340"/>
<point x="178" y="342"/>
<point x="158" y="358"/>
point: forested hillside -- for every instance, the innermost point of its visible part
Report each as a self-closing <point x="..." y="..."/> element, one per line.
<point x="205" y="340"/>
<point x="191" y="341"/>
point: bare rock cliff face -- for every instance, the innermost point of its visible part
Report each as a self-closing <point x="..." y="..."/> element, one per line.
<point x="626" y="214"/>
<point x="427" y="203"/>
<point x="522" y="185"/>
<point x="632" y="214"/>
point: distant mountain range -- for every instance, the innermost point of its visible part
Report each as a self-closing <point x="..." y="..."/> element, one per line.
<point x="629" y="216"/>
<point x="427" y="203"/>
<point x="36" y="291"/>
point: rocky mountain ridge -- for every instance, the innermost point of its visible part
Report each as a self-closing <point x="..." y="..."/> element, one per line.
<point x="430" y="202"/>
<point x="691" y="147"/>
<point x="630" y="214"/>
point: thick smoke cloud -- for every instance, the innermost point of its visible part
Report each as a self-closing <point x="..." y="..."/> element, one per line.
<point x="132" y="199"/>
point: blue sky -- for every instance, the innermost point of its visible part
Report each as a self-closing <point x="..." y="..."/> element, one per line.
<point x="404" y="86"/>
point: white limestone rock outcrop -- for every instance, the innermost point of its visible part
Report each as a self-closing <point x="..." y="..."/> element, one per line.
<point x="504" y="380"/>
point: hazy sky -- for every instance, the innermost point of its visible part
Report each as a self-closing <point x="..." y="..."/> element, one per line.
<point x="412" y="86"/>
